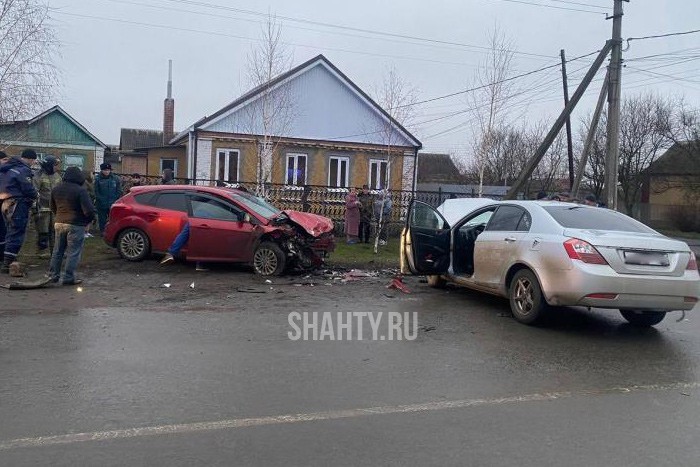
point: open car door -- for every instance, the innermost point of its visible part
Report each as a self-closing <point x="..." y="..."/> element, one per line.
<point x="425" y="241"/>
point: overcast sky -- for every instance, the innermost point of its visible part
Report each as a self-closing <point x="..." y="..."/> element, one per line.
<point x="114" y="53"/>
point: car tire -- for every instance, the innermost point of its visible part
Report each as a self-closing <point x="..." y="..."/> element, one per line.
<point x="133" y="245"/>
<point x="527" y="304"/>
<point x="436" y="281"/>
<point x="269" y="259"/>
<point x="643" y="318"/>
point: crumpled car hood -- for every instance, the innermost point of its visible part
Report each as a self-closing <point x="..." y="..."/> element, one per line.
<point x="313" y="224"/>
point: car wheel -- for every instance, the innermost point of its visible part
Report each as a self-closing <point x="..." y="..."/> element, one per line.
<point x="269" y="259"/>
<point x="133" y="245"/>
<point x="526" y="300"/>
<point x="643" y="318"/>
<point x="436" y="281"/>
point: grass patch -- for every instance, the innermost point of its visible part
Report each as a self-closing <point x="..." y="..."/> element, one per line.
<point x="679" y="234"/>
<point x="361" y="255"/>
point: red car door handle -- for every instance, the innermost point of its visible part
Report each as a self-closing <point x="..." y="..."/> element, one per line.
<point x="204" y="226"/>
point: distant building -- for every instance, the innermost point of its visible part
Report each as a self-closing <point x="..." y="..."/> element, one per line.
<point x="54" y="133"/>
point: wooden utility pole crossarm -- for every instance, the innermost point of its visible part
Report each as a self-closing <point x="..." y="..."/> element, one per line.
<point x="556" y="128"/>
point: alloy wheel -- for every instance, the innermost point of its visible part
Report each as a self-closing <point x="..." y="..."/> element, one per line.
<point x="524" y="296"/>
<point x="265" y="261"/>
<point x="132" y="245"/>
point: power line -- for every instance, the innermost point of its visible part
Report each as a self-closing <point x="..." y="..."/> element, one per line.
<point x="522" y="75"/>
<point x="591" y="5"/>
<point x="552" y="6"/>
<point x="670" y="34"/>
<point x="348" y="28"/>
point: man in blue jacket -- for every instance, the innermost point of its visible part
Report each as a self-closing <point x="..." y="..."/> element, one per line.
<point x="17" y="195"/>
<point x="108" y="189"/>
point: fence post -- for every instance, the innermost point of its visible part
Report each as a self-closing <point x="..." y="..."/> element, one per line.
<point x="439" y="195"/>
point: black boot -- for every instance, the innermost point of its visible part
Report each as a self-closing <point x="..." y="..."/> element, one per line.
<point x="5" y="268"/>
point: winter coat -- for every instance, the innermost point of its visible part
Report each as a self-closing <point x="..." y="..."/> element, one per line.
<point x="45" y="182"/>
<point x="70" y="200"/>
<point x="386" y="207"/>
<point x="366" y="209"/>
<point x="107" y="190"/>
<point x="16" y="180"/>
<point x="352" y="215"/>
<point x="168" y="177"/>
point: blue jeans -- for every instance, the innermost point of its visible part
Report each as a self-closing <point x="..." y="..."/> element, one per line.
<point x="69" y="243"/>
<point x="15" y="212"/>
<point x="180" y="240"/>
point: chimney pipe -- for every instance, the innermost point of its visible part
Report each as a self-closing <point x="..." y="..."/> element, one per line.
<point x="169" y="109"/>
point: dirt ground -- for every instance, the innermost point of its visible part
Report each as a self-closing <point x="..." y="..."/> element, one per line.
<point x="111" y="281"/>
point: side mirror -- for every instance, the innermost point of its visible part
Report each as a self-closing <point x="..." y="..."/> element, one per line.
<point x="246" y="218"/>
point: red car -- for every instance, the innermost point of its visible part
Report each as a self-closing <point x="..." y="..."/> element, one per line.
<point x="238" y="227"/>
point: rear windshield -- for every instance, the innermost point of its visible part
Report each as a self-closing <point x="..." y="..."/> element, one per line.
<point x="580" y="217"/>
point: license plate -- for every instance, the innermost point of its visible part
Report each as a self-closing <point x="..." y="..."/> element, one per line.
<point x="646" y="258"/>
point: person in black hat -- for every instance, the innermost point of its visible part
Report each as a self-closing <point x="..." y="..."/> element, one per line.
<point x="17" y="195"/>
<point x="108" y="189"/>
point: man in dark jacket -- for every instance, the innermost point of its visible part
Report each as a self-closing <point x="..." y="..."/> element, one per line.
<point x="73" y="210"/>
<point x="168" y="177"/>
<point x="17" y="194"/>
<point x="108" y="189"/>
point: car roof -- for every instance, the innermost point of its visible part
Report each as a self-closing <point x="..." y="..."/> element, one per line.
<point x="455" y="209"/>
<point x="194" y="188"/>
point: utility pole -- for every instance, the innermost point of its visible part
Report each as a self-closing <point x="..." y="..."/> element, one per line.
<point x="558" y="124"/>
<point x="569" y="144"/>
<point x="590" y="137"/>
<point x="612" y="156"/>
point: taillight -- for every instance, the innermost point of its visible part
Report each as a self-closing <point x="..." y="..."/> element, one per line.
<point x="583" y="251"/>
<point x="692" y="263"/>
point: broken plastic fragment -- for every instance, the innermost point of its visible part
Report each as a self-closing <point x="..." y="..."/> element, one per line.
<point x="167" y="286"/>
<point x="192" y="285"/>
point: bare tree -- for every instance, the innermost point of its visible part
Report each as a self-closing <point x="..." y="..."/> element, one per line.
<point x="643" y="137"/>
<point x="488" y="104"/>
<point x="28" y="76"/>
<point x="397" y="97"/>
<point x="272" y="114"/>
<point x="594" y="172"/>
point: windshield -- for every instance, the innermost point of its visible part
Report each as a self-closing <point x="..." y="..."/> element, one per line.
<point x="585" y="218"/>
<point x="258" y="205"/>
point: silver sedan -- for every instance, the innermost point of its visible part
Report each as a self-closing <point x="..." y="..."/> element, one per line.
<point x="540" y="254"/>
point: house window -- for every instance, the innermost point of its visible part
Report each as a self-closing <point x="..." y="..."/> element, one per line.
<point x="296" y="169"/>
<point x="73" y="160"/>
<point x="227" y="165"/>
<point x="169" y="164"/>
<point x="338" y="172"/>
<point x="378" y="174"/>
<point x="42" y="156"/>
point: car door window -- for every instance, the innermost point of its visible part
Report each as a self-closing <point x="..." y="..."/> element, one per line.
<point x="208" y="208"/>
<point x="172" y="201"/>
<point x="506" y="219"/>
<point x="525" y="223"/>
<point x="425" y="217"/>
<point x="479" y="219"/>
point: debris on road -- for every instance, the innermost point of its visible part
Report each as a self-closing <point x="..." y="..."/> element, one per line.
<point x="426" y="328"/>
<point x="166" y="286"/>
<point x="250" y="290"/>
<point x="28" y="284"/>
<point x="397" y="283"/>
<point x="192" y="285"/>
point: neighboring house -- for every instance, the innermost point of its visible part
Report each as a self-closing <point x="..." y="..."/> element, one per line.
<point x="54" y="132"/>
<point x="143" y="152"/>
<point x="437" y="168"/>
<point x="335" y="136"/>
<point x="671" y="190"/>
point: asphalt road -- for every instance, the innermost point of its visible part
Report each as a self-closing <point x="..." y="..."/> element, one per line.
<point x="127" y="372"/>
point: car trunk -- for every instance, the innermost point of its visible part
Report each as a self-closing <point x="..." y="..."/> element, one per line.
<point x="637" y="252"/>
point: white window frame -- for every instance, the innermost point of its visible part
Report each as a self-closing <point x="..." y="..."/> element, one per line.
<point x="340" y="159"/>
<point x="295" y="180"/>
<point x="174" y="165"/>
<point x="377" y="169"/>
<point x="227" y="152"/>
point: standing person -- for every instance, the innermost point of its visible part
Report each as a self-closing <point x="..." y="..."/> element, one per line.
<point x="108" y="189"/>
<point x="90" y="186"/>
<point x="382" y="212"/>
<point x="365" y="214"/>
<point x="134" y="180"/>
<point x="17" y="194"/>
<point x="73" y="210"/>
<point x="168" y="178"/>
<point x="590" y="200"/>
<point x="3" y="231"/>
<point x="352" y="216"/>
<point x="45" y="180"/>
